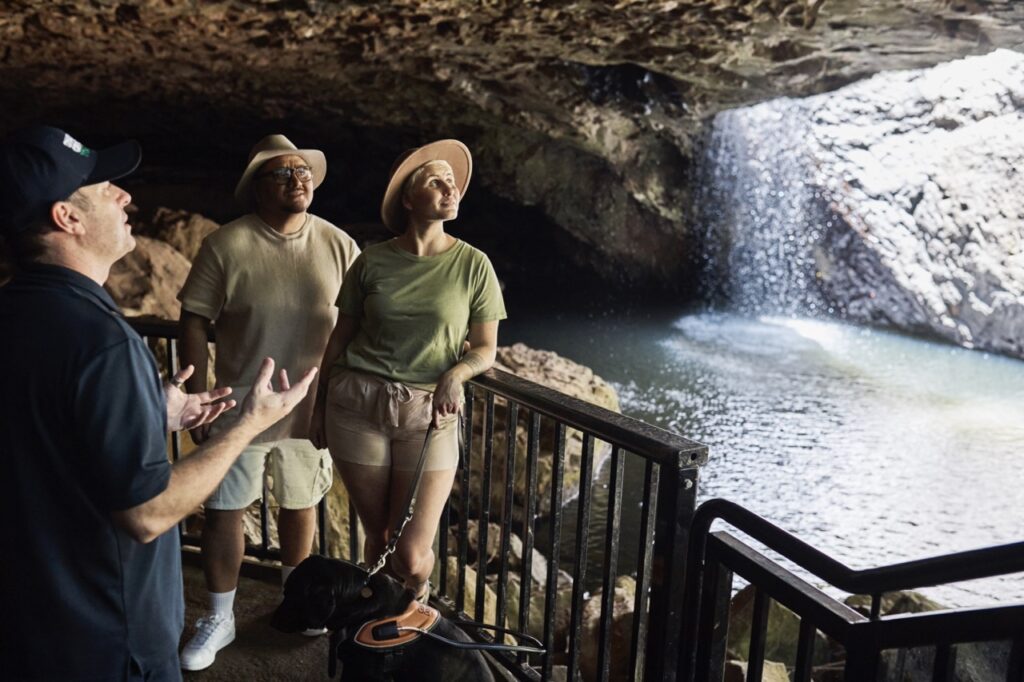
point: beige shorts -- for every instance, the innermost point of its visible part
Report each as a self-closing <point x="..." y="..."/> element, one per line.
<point x="376" y="422"/>
<point x="295" y="472"/>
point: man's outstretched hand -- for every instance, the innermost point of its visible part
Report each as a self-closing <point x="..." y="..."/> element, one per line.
<point x="264" y="406"/>
<point x="192" y="410"/>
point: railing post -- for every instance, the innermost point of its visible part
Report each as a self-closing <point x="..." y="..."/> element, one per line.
<point x="677" y="497"/>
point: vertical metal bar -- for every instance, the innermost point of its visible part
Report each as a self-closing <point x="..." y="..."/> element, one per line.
<point x="463" y="538"/>
<point x="876" y="605"/>
<point x="354" y="548"/>
<point x="554" y="550"/>
<point x="512" y="414"/>
<point x="442" y="548"/>
<point x="172" y="363"/>
<point x="529" y="514"/>
<point x="713" y="633"/>
<point x="611" y="564"/>
<point x="861" y="662"/>
<point x="758" y="634"/>
<point x="677" y="498"/>
<point x="264" y="521"/>
<point x="804" y="651"/>
<point x="321" y="522"/>
<point x="582" y="540"/>
<point x="485" y="507"/>
<point x="649" y="500"/>
<point x="944" y="667"/>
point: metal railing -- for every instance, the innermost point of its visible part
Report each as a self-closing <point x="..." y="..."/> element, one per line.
<point x="555" y="426"/>
<point x="715" y="557"/>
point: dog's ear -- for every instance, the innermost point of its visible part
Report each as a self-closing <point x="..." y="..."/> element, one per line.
<point x="318" y="606"/>
<point x="308" y="598"/>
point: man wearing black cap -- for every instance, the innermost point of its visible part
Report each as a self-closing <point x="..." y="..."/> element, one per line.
<point x="91" y="584"/>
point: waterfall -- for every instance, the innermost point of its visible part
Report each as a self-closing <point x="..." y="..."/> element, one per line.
<point x="761" y="215"/>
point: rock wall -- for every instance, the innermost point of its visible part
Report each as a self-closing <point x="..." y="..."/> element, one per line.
<point x="895" y="202"/>
<point x="922" y="170"/>
<point x="586" y="112"/>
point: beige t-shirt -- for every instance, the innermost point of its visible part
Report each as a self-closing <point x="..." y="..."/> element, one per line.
<point x="269" y="294"/>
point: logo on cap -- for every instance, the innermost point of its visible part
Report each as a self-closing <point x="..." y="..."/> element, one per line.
<point x="76" y="146"/>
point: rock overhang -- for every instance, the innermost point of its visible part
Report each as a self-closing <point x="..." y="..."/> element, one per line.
<point x="583" y="114"/>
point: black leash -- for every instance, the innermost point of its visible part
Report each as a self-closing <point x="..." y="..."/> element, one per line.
<point x="410" y="503"/>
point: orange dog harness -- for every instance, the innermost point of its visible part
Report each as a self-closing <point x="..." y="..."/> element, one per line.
<point x="393" y="631"/>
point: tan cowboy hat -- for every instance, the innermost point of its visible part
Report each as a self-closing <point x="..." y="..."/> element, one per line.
<point x="272" y="146"/>
<point x="454" y="152"/>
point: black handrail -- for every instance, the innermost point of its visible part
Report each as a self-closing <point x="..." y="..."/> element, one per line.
<point x="631" y="434"/>
<point x="712" y="557"/>
<point x="968" y="565"/>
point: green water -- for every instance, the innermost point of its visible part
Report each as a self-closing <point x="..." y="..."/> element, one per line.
<point x="874" y="447"/>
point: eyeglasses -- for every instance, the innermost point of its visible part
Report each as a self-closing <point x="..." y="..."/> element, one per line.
<point x="283" y="176"/>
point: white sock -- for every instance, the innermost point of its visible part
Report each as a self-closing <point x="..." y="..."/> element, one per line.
<point x="222" y="603"/>
<point x="285" y="572"/>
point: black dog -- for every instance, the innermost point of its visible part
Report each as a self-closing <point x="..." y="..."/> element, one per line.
<point x="324" y="592"/>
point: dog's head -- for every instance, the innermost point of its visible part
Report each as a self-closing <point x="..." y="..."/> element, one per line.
<point x="330" y="593"/>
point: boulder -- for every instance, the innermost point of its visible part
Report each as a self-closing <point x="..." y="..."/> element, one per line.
<point x="736" y="671"/>
<point x="975" y="661"/>
<point x="621" y="631"/>
<point x="147" y="280"/>
<point x="183" y="230"/>
<point x="535" y="615"/>
<point x="470" y="574"/>
<point x="782" y="636"/>
<point x="893" y="603"/>
<point x="473" y="541"/>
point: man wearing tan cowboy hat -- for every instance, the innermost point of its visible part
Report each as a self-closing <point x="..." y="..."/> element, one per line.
<point x="268" y="281"/>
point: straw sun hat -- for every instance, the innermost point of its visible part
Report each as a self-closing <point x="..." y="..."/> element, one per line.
<point x="273" y="146"/>
<point x="454" y="152"/>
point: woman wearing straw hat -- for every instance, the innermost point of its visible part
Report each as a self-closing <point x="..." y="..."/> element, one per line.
<point x="395" y="362"/>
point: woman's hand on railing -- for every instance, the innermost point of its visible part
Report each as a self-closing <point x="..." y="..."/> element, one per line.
<point x="447" y="396"/>
<point x="193" y="411"/>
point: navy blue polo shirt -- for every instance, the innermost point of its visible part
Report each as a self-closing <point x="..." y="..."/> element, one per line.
<point x="82" y="434"/>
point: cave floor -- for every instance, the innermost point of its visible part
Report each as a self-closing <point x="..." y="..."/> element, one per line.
<point x="259" y="653"/>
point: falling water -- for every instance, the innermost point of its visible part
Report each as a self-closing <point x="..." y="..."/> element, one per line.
<point x="761" y="216"/>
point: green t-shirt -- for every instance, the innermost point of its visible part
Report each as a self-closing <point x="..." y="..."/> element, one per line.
<point x="414" y="311"/>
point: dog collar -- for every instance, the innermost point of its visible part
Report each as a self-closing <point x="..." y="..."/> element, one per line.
<point x="385" y="633"/>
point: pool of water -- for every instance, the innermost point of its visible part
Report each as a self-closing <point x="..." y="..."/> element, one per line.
<point x="874" y="447"/>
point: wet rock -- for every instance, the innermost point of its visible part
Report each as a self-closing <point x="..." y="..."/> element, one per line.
<point x="535" y="616"/>
<point x="490" y="610"/>
<point x="928" y="227"/>
<point x="736" y="671"/>
<point x="975" y="661"/>
<point x="563" y="375"/>
<point x="621" y="630"/>
<point x="782" y="635"/>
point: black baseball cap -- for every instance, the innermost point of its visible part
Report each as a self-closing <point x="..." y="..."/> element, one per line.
<point x="41" y="164"/>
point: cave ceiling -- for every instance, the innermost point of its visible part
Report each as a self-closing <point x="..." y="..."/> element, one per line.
<point x="584" y="116"/>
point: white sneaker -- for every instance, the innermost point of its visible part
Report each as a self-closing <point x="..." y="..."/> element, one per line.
<point x="213" y="633"/>
<point x="314" y="632"/>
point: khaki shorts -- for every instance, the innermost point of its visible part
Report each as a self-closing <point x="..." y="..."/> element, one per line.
<point x="295" y="472"/>
<point x="376" y="422"/>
